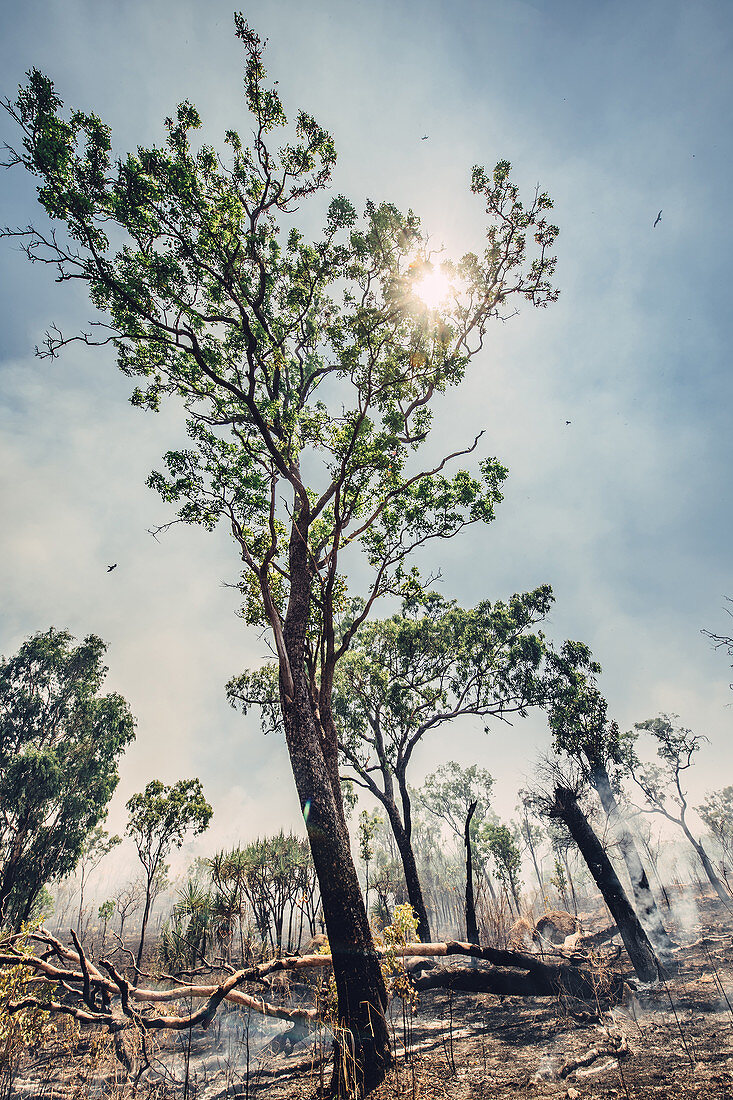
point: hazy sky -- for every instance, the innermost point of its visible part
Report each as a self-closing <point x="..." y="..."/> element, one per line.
<point x="618" y="109"/>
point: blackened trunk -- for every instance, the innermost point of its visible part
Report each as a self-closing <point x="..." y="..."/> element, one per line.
<point x="362" y="1046"/>
<point x="409" y="866"/>
<point x="645" y="903"/>
<point x="471" y="925"/>
<point x="144" y="926"/>
<point x="635" y="939"/>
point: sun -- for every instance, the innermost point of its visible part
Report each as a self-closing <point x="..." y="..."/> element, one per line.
<point x="433" y="287"/>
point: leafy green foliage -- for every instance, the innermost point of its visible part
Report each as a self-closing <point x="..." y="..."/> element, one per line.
<point x="501" y="844"/>
<point x="211" y="301"/>
<point x="413" y="672"/>
<point x="578" y="713"/>
<point x="450" y="791"/>
<point x="160" y="817"/>
<point x="60" y="742"/>
<point x="26" y="1027"/>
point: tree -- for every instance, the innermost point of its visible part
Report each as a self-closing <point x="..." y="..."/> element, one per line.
<point x="160" y="817"/>
<point x="60" y="742"/>
<point x="461" y="797"/>
<point x="662" y="785"/>
<point x="253" y="331"/>
<point x="97" y="844"/>
<point x="368" y="824"/>
<point x="532" y="834"/>
<point x="405" y="677"/>
<point x="717" y="813"/>
<point x="578" y="717"/>
<point x="105" y="913"/>
<point x="501" y="843"/>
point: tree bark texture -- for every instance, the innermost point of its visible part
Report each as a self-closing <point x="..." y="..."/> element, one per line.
<point x="362" y="1049"/>
<point x="635" y="939"/>
<point x="362" y="1052"/>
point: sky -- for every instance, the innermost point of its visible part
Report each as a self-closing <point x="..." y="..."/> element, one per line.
<point x="618" y="110"/>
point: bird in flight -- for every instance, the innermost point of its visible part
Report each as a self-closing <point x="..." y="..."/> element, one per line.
<point x="659" y="218"/>
<point x="568" y="422"/>
<point x="424" y="138"/>
<point x="111" y="567"/>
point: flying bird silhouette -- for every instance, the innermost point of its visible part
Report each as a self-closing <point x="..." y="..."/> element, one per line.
<point x="568" y="422"/>
<point x="425" y="138"/>
<point x="111" y="567"/>
<point x="659" y="218"/>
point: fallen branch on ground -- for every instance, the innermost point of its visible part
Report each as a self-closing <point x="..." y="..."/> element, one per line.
<point x="617" y="1047"/>
<point x="108" y="998"/>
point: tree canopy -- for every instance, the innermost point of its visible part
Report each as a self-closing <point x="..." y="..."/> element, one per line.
<point x="60" y="743"/>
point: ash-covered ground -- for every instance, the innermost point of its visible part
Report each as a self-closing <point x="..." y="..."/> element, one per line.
<point x="670" y="1039"/>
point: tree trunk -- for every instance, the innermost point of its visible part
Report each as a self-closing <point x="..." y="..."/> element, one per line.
<point x="362" y="1049"/>
<point x="409" y="866"/>
<point x="471" y="926"/>
<point x="635" y="939"/>
<point x="646" y="905"/>
<point x="143" y="927"/>
<point x="715" y="882"/>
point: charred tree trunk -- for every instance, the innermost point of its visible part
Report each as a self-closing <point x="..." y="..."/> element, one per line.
<point x="550" y="981"/>
<point x="363" y="1053"/>
<point x="635" y="939"/>
<point x="409" y="866"/>
<point x="144" y="925"/>
<point x="471" y="926"/>
<point x="645" y="903"/>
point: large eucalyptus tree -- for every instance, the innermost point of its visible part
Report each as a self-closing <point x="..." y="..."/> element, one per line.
<point x="307" y="370"/>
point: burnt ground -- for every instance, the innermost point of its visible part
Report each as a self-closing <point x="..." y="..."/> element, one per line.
<point x="672" y="1039"/>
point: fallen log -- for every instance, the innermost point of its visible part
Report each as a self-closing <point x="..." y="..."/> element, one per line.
<point x="549" y="981"/>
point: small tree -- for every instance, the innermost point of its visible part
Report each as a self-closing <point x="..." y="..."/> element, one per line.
<point x="127" y="901"/>
<point x="160" y="817"/>
<point x="368" y="824"/>
<point x="662" y="784"/>
<point x="97" y="844"/>
<point x="717" y="813"/>
<point x="532" y="835"/>
<point x="501" y="843"/>
<point x="105" y="914"/>
<point x="60" y="743"/>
